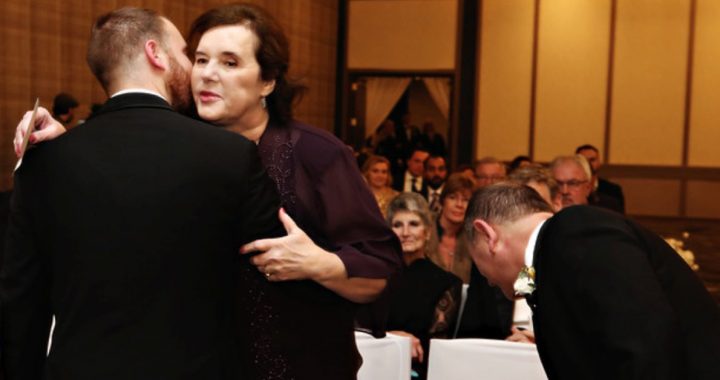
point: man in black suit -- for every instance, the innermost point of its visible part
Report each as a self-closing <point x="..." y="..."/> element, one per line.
<point x="127" y="228"/>
<point x="610" y="299"/>
<point x="604" y="193"/>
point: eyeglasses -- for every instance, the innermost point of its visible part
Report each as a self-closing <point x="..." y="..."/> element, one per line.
<point x="571" y="184"/>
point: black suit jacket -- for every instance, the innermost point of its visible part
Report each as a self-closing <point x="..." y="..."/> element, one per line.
<point x="614" y="301"/>
<point x="127" y="229"/>
<point x="608" y="195"/>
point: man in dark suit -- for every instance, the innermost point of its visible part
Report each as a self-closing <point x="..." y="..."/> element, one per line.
<point x="127" y="228"/>
<point x="604" y="193"/>
<point x="411" y="179"/>
<point x="610" y="299"/>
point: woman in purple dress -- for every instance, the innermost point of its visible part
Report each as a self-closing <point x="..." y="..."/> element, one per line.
<point x="299" y="308"/>
<point x="300" y="292"/>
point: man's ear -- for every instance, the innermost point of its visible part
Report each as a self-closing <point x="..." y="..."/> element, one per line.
<point x="487" y="230"/>
<point x="155" y="55"/>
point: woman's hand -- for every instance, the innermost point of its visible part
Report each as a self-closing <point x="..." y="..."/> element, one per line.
<point x="294" y="257"/>
<point x="297" y="257"/>
<point x="46" y="128"/>
<point x="415" y="346"/>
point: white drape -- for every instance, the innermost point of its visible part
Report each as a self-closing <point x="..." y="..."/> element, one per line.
<point x="381" y="95"/>
<point x="439" y="89"/>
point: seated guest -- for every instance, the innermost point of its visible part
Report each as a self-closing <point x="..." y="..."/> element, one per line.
<point x="412" y="178"/>
<point x="489" y="170"/>
<point x="376" y="171"/>
<point x="432" y="140"/>
<point x="604" y="193"/>
<point x="435" y="175"/>
<point x="425" y="299"/>
<point x="540" y="179"/>
<point x="519" y="162"/>
<point x="453" y="255"/>
<point x="465" y="169"/>
<point x="572" y="175"/>
<point x="63" y="108"/>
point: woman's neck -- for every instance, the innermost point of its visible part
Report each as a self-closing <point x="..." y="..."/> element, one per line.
<point x="253" y="126"/>
<point x="449" y="228"/>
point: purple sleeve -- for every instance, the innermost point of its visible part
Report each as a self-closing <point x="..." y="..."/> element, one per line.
<point x="348" y="213"/>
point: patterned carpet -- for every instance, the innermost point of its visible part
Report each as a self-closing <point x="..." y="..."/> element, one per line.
<point x="703" y="239"/>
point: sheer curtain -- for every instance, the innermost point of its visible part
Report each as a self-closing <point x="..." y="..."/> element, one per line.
<point x="381" y="95"/>
<point x="439" y="89"/>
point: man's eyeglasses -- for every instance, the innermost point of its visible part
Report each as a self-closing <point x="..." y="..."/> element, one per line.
<point x="571" y="184"/>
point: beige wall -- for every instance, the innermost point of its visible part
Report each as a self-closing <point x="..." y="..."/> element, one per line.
<point x="402" y="34"/>
<point x="644" y="123"/>
<point x="504" y="91"/>
<point x="44" y="42"/>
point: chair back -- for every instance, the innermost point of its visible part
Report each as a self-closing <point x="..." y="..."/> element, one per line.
<point x="386" y="358"/>
<point x="483" y="359"/>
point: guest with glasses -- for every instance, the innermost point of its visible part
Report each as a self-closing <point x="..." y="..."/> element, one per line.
<point x="489" y="170"/>
<point x="572" y="175"/>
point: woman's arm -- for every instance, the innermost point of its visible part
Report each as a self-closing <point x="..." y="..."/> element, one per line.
<point x="297" y="257"/>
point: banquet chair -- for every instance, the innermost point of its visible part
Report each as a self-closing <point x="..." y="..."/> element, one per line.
<point x="386" y="358"/>
<point x="483" y="359"/>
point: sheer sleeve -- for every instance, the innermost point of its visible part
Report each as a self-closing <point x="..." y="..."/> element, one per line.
<point x="446" y="312"/>
<point x="345" y="212"/>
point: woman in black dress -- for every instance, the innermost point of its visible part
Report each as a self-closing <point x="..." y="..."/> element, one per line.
<point x="424" y="301"/>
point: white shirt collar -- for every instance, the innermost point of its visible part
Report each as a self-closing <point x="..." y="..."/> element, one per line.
<point x="530" y="249"/>
<point x="137" y="90"/>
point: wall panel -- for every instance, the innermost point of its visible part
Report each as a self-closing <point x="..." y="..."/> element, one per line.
<point x="648" y="100"/>
<point x="402" y="34"/>
<point x="504" y="83"/>
<point x="573" y="41"/>
<point x="657" y="197"/>
<point x="702" y="199"/>
<point x="705" y="111"/>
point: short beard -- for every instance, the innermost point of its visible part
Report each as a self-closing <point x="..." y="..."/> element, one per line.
<point x="179" y="87"/>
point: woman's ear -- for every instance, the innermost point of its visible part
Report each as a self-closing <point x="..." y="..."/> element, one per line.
<point x="268" y="87"/>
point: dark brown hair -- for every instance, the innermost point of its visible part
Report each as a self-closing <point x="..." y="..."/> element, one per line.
<point x="272" y="52"/>
<point x="456" y="182"/>
<point x="116" y="39"/>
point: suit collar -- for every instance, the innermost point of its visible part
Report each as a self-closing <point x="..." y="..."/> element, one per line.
<point x="134" y="100"/>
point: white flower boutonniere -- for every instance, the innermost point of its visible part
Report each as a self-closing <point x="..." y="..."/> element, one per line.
<point x="525" y="283"/>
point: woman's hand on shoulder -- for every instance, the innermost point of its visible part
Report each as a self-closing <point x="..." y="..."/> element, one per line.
<point x="46" y="128"/>
<point x="294" y="256"/>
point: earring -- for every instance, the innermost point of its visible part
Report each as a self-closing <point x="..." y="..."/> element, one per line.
<point x="263" y="102"/>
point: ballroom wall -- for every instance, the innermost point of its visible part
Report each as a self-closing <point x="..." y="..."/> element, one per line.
<point x="640" y="79"/>
<point x="44" y="42"/>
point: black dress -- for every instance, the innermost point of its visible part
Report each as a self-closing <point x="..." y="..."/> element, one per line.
<point x="299" y="329"/>
<point x="424" y="302"/>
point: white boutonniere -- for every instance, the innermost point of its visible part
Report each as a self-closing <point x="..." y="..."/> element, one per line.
<point x="525" y="283"/>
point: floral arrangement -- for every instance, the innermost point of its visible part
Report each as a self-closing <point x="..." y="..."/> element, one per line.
<point x="685" y="254"/>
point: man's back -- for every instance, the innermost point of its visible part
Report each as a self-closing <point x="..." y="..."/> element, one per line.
<point x="614" y="301"/>
<point x="127" y="229"/>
